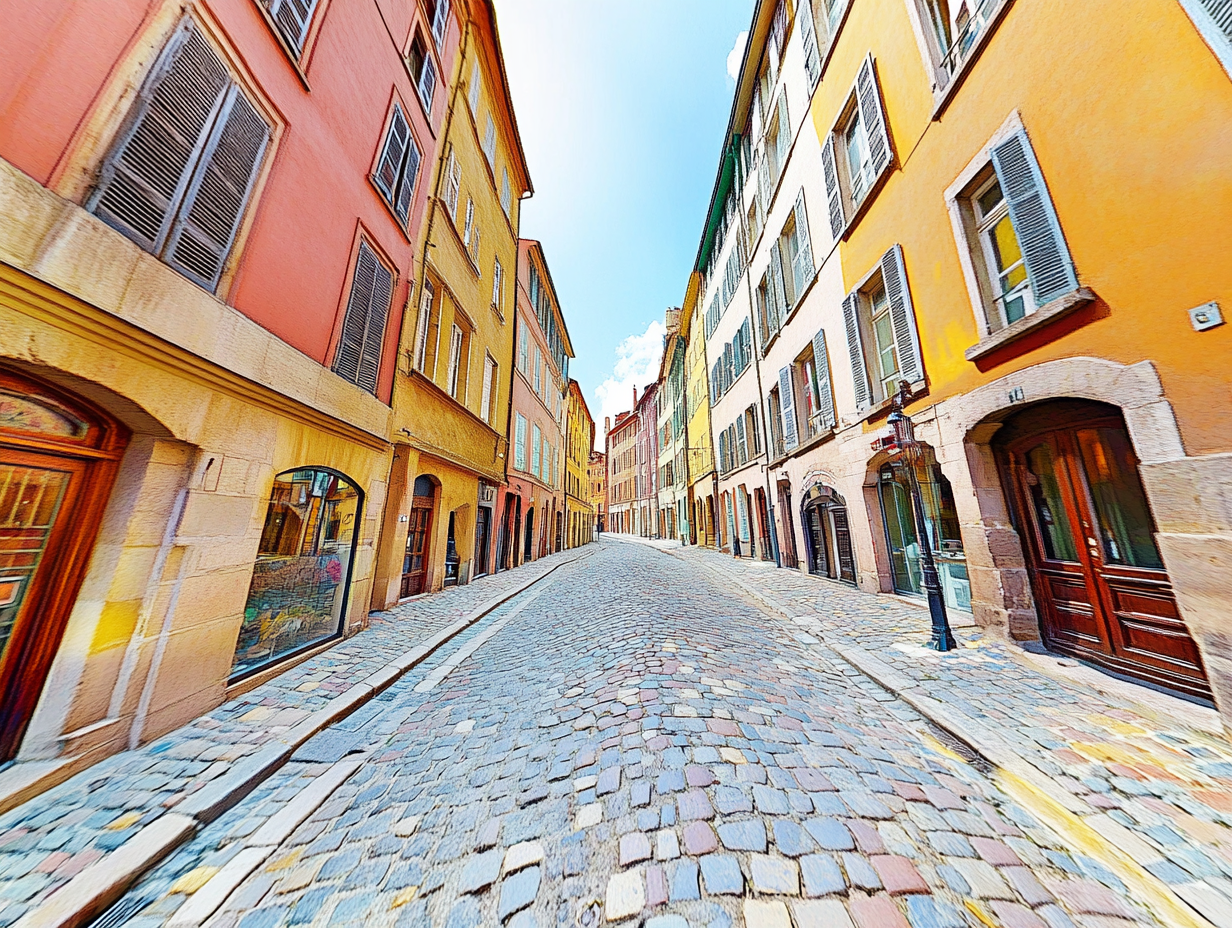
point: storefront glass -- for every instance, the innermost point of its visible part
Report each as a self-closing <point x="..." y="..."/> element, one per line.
<point x="941" y="516"/>
<point x="299" y="584"/>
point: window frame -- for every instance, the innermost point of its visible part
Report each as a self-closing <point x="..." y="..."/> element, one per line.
<point x="398" y="198"/>
<point x="345" y="335"/>
<point x="945" y="82"/>
<point x="985" y="227"/>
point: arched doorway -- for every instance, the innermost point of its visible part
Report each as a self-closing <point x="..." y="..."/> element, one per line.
<point x="417" y="559"/>
<point x="58" y="460"/>
<point x="827" y="534"/>
<point x="1071" y="474"/>
<point x="529" y="545"/>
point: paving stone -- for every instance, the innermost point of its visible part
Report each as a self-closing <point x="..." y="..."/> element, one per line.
<point x="634" y="847"/>
<point x="667" y="845"/>
<point x="639" y="794"/>
<point x="694" y="805"/>
<point x="774" y="875"/>
<point x="791" y="839"/>
<point x="729" y="799"/>
<point x="626" y="895"/>
<point x="773" y="914"/>
<point x="656" y="886"/>
<point x="517" y="891"/>
<point x="927" y="912"/>
<point x="666" y="921"/>
<point x="721" y="875"/>
<point x="1026" y="885"/>
<point x="770" y="801"/>
<point x="609" y="781"/>
<point x="831" y="834"/>
<point x="748" y="835"/>
<point x="522" y="855"/>
<point x="982" y="878"/>
<point x="682" y="881"/>
<point x="876" y="912"/>
<point x="822" y="875"/>
<point x="699" y="839"/>
<point x="898" y="874"/>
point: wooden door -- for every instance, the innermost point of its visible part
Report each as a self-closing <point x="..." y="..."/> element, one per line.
<point x="842" y="542"/>
<point x="418" y="540"/>
<point x="483" y="525"/>
<point x="58" y="459"/>
<point x="1099" y="580"/>
<point x="819" y="548"/>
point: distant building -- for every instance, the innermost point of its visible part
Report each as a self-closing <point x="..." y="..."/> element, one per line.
<point x="579" y="442"/>
<point x="597" y="471"/>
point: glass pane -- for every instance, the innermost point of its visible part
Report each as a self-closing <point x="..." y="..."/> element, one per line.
<point x="900" y="534"/>
<point x="298" y="586"/>
<point x="1120" y="504"/>
<point x="30" y="498"/>
<point x="23" y="413"/>
<point x="990" y="199"/>
<point x="1050" y="514"/>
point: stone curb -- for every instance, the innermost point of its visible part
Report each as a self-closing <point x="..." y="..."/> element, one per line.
<point x="94" y="889"/>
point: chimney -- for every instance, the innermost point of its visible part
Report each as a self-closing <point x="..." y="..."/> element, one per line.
<point x="635" y="395"/>
<point x="607" y="424"/>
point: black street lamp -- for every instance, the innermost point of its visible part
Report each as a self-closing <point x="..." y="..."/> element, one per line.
<point x="904" y="437"/>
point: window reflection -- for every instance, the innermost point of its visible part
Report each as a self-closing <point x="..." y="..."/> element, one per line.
<point x="299" y="583"/>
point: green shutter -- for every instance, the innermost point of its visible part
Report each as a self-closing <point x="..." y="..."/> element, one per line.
<point x="1049" y="267"/>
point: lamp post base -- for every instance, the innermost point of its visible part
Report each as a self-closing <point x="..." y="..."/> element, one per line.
<point x="942" y="638"/>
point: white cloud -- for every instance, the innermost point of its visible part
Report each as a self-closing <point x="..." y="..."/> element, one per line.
<point x="637" y="364"/>
<point x="736" y="55"/>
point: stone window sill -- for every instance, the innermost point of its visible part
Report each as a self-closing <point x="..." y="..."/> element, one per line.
<point x="1050" y="312"/>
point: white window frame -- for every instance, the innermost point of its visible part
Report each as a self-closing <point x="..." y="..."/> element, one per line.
<point x="455" y="360"/>
<point x="472" y="95"/>
<point x="490" y="369"/>
<point x="984" y="226"/>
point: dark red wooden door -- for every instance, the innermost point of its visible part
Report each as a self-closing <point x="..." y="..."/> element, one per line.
<point x="1099" y="580"/>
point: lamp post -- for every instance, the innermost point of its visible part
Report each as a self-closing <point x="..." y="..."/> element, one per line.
<point x="904" y="437"/>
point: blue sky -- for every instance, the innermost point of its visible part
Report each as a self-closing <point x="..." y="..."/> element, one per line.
<point x="622" y="108"/>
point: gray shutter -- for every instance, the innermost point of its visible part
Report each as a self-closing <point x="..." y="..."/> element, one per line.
<point x="427" y="82"/>
<point x="215" y="203"/>
<point x="821" y="372"/>
<point x="440" y="20"/>
<point x="787" y="400"/>
<point x="855" y="349"/>
<point x="763" y="183"/>
<point x="147" y="172"/>
<point x="358" y="357"/>
<point x="808" y="35"/>
<point x="1049" y="267"/>
<point x="776" y="283"/>
<point x="782" y="140"/>
<point x="742" y="445"/>
<point x="803" y="268"/>
<point x="390" y="162"/>
<point x="834" y="193"/>
<point x="902" y="315"/>
<point x="407" y="187"/>
<point x="292" y="17"/>
<point x="871" y="114"/>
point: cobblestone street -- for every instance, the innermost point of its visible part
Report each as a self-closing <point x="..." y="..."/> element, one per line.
<point x="699" y="760"/>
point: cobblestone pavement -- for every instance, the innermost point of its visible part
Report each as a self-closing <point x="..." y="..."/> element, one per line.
<point x="53" y="837"/>
<point x="1125" y="767"/>
<point x="626" y="743"/>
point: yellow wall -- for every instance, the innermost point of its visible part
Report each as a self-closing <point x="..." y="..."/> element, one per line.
<point x="1130" y="116"/>
<point x="697" y="386"/>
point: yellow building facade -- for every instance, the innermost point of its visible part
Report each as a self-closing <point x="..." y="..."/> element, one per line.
<point x="579" y="442"/>
<point x="452" y="395"/>
<point x="700" y="456"/>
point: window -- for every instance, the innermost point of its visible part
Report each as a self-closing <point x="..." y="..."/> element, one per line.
<point x="398" y="166"/>
<point x="472" y="96"/>
<point x="470" y="233"/>
<point x="506" y="193"/>
<point x="298" y="594"/>
<point x="1214" y="21"/>
<point x="358" y="356"/>
<point x="751" y="431"/>
<point x="535" y="451"/>
<point x="488" y="400"/>
<point x="179" y="176"/>
<point x="1018" y="251"/>
<point x="538" y="372"/>
<point x="292" y="17"/>
<point x="438" y="13"/>
<point x="774" y="423"/>
<point x="857" y="154"/>
<point x="489" y="142"/>
<point x="519" y="442"/>
<point x="817" y="380"/>
<point x="771" y="299"/>
<point x="778" y="142"/>
<point x="955" y="28"/>
<point x="455" y="380"/>
<point x="422" y="71"/>
<point x="425" y="327"/>
<point x="498" y="286"/>
<point x="881" y="333"/>
<point x="797" y="253"/>
<point x="523" y="351"/>
<point x="453" y="185"/>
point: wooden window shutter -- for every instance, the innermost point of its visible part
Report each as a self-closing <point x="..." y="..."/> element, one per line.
<point x="519" y="443"/>
<point x="834" y="193"/>
<point x="485" y="402"/>
<point x="788" y="400"/>
<point x="472" y="96"/>
<point x="440" y="20"/>
<point x="146" y="175"/>
<point x="821" y="372"/>
<point x="855" y="350"/>
<point x="803" y="265"/>
<point x="902" y="315"/>
<point x="427" y="83"/>
<point x="778" y="288"/>
<point x="425" y="321"/>
<point x="407" y="186"/>
<point x="808" y="35"/>
<point x="782" y="140"/>
<point x="292" y="17"/>
<point x="535" y="451"/>
<point x="358" y="357"/>
<point x="470" y="222"/>
<point x="763" y="182"/>
<point x="868" y="96"/>
<point x="1049" y="267"/>
<point x="723" y="452"/>
<point x="389" y="165"/>
<point x="202" y="237"/>
<point x="742" y="446"/>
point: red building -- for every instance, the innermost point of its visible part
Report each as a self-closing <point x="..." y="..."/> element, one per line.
<point x="533" y="504"/>
<point x="209" y="221"/>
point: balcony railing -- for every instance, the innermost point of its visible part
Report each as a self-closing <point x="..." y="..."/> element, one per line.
<point x="965" y="41"/>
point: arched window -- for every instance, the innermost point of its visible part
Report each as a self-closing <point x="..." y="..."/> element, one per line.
<point x="300" y="582"/>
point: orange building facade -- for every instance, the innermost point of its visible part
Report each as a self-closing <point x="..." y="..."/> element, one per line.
<point x="208" y="231"/>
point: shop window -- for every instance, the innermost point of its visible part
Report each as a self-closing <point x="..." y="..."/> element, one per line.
<point x="180" y="175"/>
<point x="941" y="517"/>
<point x="300" y="582"/>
